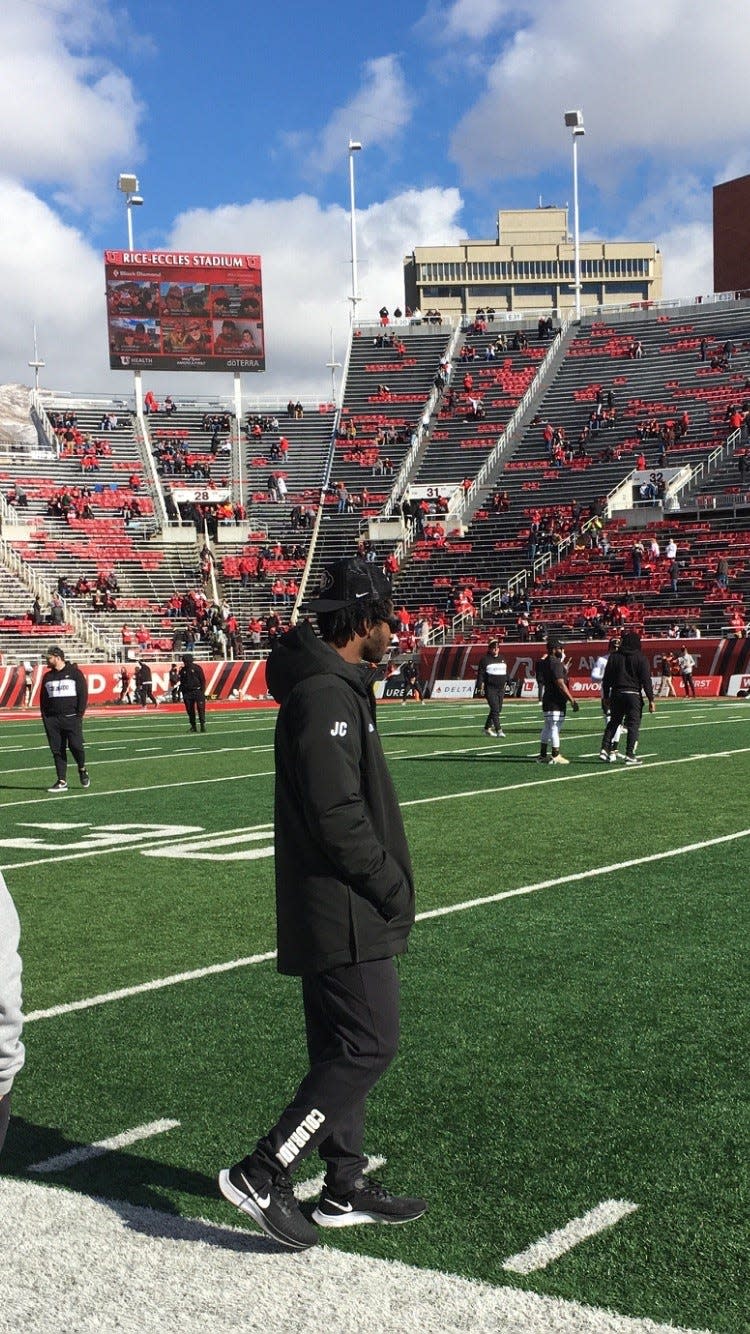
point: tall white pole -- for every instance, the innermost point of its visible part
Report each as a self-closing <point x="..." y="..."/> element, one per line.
<point x="137" y="383"/>
<point x="240" y="437"/>
<point x="576" y="234"/>
<point x="354" y="147"/>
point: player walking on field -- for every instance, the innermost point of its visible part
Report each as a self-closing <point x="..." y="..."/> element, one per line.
<point x="63" y="697"/>
<point x="626" y="680"/>
<point x="344" y="909"/>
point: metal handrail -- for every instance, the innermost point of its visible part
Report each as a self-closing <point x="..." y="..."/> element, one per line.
<point x="43" y="590"/>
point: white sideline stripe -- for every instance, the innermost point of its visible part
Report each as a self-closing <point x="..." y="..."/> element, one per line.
<point x="197" y="973"/>
<point x="597" y="773"/>
<point x="554" y="1244"/>
<point x="155" y="985"/>
<point x="581" y="875"/>
<point x="310" y="1189"/>
<point x="85" y="1152"/>
<point x="77" y="1263"/>
<point x="417" y="801"/>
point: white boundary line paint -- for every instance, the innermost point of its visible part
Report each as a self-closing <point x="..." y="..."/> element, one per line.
<point x="595" y="773"/>
<point x="91" y="793"/>
<point x="124" y="992"/>
<point x="310" y="1189"/>
<point x="85" y="1152"/>
<point x="78" y="1263"/>
<point x="211" y="969"/>
<point x="599" y="772"/>
<point x="554" y="1244"/>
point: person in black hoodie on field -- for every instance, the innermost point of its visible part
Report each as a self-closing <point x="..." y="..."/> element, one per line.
<point x="344" y="908"/>
<point x="63" y="696"/>
<point x="193" y="690"/>
<point x="627" y="678"/>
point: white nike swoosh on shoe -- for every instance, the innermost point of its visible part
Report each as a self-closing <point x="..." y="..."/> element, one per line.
<point x="262" y="1201"/>
<point x="344" y="1208"/>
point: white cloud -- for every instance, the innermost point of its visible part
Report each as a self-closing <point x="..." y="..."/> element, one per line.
<point x="68" y="115"/>
<point x="688" y="259"/>
<point x="51" y="276"/>
<point x="666" y="80"/>
<point x="476" y="19"/>
<point x="375" y="115"/>
<point x="306" y="256"/>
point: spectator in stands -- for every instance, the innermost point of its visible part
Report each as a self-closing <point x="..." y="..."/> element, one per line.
<point x="722" y="572"/>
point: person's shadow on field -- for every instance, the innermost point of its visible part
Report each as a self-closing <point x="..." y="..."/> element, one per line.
<point x="143" y="1187"/>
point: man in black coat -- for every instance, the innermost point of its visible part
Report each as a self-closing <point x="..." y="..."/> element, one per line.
<point x="627" y="678"/>
<point x="63" y="696"/>
<point x="344" y="908"/>
<point x="193" y="689"/>
<point x="491" y="677"/>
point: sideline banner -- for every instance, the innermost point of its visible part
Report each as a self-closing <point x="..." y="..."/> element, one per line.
<point x="719" y="662"/>
<point x="224" y="681"/>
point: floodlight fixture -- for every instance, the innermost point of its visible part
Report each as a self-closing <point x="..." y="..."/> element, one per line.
<point x="574" y="122"/>
<point x="127" y="183"/>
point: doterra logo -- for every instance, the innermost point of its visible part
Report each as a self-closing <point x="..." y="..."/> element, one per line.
<point x="299" y="1137"/>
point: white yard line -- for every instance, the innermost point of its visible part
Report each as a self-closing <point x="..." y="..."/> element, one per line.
<point x="85" y="1152"/>
<point x="599" y="772"/>
<point x="446" y="911"/>
<point x="156" y="985"/>
<point x="76" y="1263"/>
<point x="554" y="1244"/>
<point x="596" y="773"/>
<point x="92" y="792"/>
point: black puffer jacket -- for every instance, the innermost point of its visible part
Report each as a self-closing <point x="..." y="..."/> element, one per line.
<point x="344" y="885"/>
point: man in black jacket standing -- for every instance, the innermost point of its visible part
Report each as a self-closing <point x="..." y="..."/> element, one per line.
<point x="193" y="689"/>
<point x="344" y="908"/>
<point x="627" y="678"/>
<point x="63" y="696"/>
<point x="491" y="677"/>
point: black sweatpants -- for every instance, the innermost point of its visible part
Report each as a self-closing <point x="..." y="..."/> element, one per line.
<point x="63" y="732"/>
<point x="495" y="696"/>
<point x="626" y="706"/>
<point x="352" y="1025"/>
<point x="196" y="706"/>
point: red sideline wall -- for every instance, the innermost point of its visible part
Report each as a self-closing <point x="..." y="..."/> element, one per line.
<point x="222" y="678"/>
<point x="726" y="660"/>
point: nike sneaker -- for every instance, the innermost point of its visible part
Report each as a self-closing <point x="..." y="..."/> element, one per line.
<point x="367" y="1202"/>
<point x="60" y="786"/>
<point x="559" y="759"/>
<point x="270" y="1203"/>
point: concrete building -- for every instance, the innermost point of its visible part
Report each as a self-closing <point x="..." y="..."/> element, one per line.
<point x="530" y="267"/>
<point x="732" y="235"/>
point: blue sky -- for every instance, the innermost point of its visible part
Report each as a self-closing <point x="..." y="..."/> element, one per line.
<point x="236" y="120"/>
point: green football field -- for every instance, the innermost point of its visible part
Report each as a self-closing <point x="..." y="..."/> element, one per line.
<point x="574" y="998"/>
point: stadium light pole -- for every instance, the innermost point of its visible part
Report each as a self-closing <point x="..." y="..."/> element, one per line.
<point x="127" y="184"/>
<point x="37" y="364"/>
<point x="333" y="365"/>
<point x="354" y="147"/>
<point x="574" y="122"/>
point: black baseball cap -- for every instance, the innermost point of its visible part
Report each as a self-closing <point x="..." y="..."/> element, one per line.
<point x="344" y="582"/>
<point x="554" y="644"/>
